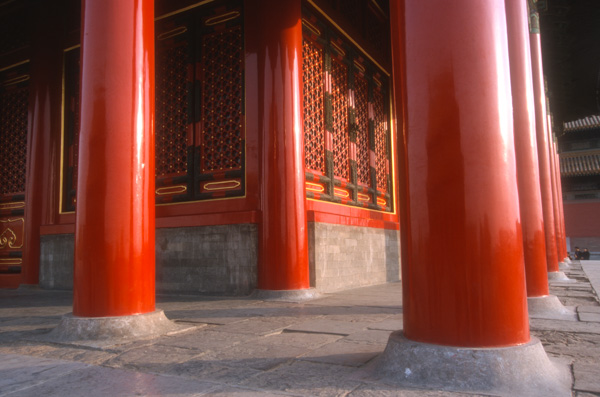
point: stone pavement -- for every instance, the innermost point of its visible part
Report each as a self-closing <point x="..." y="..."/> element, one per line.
<point x="247" y="347"/>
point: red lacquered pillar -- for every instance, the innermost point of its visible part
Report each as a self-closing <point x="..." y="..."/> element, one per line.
<point x="561" y="243"/>
<point x="532" y="217"/>
<point x="465" y="280"/>
<point x="543" y="146"/>
<point x="564" y="253"/>
<point x="276" y="41"/>
<point x="41" y="199"/>
<point x="551" y="155"/>
<point x="114" y="229"/>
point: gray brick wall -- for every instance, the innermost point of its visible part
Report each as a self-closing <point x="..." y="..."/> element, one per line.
<point x="208" y="260"/>
<point x="222" y="260"/>
<point x="214" y="260"/>
<point x="56" y="261"/>
<point x="343" y="257"/>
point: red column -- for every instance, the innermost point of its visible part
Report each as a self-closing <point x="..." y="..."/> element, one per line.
<point x="555" y="208"/>
<point x="275" y="40"/>
<point x="114" y="229"/>
<point x="564" y="252"/>
<point x="543" y="147"/>
<point x="532" y="217"/>
<point x="41" y="198"/>
<point x="465" y="282"/>
<point x="558" y="217"/>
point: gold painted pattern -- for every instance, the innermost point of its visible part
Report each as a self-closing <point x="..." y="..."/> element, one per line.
<point x="222" y="18"/>
<point x="313" y="187"/>
<point x="12" y="206"/>
<point x="172" y="33"/>
<point x="341" y="193"/>
<point x="311" y="27"/>
<point x="171" y="190"/>
<point x="221" y="185"/>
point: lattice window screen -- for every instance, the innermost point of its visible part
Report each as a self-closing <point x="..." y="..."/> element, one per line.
<point x="346" y="134"/>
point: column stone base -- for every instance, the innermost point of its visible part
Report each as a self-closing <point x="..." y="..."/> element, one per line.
<point x="563" y="265"/>
<point x="105" y="331"/>
<point x="523" y="370"/>
<point x="549" y="307"/>
<point x="295" y="295"/>
<point x="559" y="277"/>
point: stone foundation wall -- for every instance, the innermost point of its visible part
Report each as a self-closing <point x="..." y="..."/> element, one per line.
<point x="56" y="261"/>
<point x="222" y="260"/>
<point x="344" y="257"/>
<point x="213" y="260"/>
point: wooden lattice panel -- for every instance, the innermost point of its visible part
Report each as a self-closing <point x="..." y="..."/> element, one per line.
<point x="381" y="152"/>
<point x="172" y="110"/>
<point x="312" y="76"/>
<point x="346" y="133"/>
<point x="362" y="134"/>
<point x="222" y="75"/>
<point x="339" y="109"/>
<point x="14" y="99"/>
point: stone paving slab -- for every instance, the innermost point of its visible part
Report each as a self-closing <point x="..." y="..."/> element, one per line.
<point x="346" y="353"/>
<point x="590" y="317"/>
<point x="19" y="373"/>
<point x="588" y="309"/>
<point x="566" y="326"/>
<point x="64" y="379"/>
<point x="307" y="379"/>
<point x="586" y="377"/>
<point x="248" y="347"/>
<point x="326" y="326"/>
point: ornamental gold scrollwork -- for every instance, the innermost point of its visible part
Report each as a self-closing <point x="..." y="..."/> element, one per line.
<point x="8" y="238"/>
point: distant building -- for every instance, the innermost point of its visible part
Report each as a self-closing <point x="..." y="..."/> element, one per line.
<point x="579" y="148"/>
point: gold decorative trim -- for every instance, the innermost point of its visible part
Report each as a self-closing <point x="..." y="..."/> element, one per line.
<point x="376" y="80"/>
<point x="62" y="133"/>
<point x="15" y="80"/>
<point x="339" y="49"/>
<point x="311" y="27"/>
<point x="381" y="201"/>
<point x="12" y="206"/>
<point x="360" y="67"/>
<point x="222" y="185"/>
<point x="376" y="4"/>
<point x="72" y="48"/>
<point x="172" y="33"/>
<point x="11" y="261"/>
<point x="169" y="14"/>
<point x="341" y="193"/>
<point x="14" y="65"/>
<point x="363" y="197"/>
<point x="314" y="187"/>
<point x="171" y="190"/>
<point x="228" y="16"/>
<point x="11" y="239"/>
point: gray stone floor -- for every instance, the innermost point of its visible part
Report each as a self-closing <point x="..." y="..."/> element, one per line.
<point x="245" y="347"/>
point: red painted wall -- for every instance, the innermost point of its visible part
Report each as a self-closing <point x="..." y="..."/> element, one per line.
<point x="582" y="219"/>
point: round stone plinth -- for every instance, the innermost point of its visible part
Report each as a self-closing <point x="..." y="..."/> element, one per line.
<point x="559" y="276"/>
<point x="296" y="295"/>
<point x="111" y="330"/>
<point x="563" y="265"/>
<point x="523" y="370"/>
<point x="549" y="307"/>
